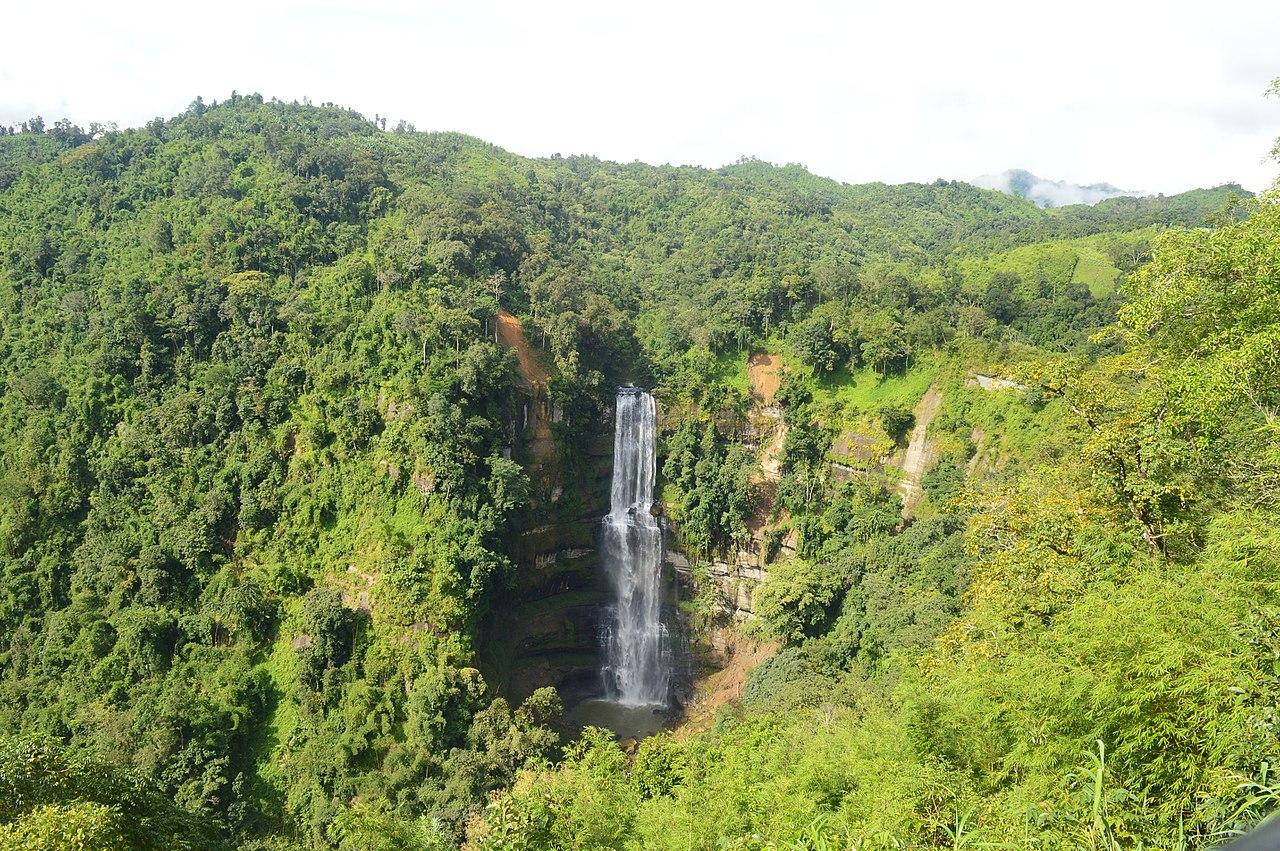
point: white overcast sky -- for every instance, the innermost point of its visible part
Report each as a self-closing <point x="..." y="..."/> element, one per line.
<point x="1155" y="96"/>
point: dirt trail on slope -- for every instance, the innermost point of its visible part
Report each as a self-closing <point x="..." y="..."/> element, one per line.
<point x="919" y="451"/>
<point x="764" y="375"/>
<point x="764" y="372"/>
<point x="511" y="335"/>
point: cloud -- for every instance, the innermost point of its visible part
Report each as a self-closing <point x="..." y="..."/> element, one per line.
<point x="1049" y="193"/>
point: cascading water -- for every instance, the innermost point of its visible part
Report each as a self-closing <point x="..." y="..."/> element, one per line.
<point x="637" y="668"/>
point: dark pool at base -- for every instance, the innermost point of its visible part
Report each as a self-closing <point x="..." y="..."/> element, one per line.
<point x="626" y="722"/>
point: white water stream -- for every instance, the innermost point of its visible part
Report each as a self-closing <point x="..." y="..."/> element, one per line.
<point x="637" y="652"/>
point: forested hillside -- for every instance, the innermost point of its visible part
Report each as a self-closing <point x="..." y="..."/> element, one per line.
<point x="257" y="495"/>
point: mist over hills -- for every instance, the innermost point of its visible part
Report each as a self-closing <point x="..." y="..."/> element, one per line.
<point x="1050" y="193"/>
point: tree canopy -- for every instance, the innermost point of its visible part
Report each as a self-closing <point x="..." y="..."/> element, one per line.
<point x="258" y="500"/>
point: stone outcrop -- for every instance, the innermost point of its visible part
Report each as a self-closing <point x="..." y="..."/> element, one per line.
<point x="920" y="454"/>
<point x="734" y="575"/>
<point x="993" y="382"/>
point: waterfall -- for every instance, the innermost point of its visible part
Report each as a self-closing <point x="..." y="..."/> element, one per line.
<point x="637" y="668"/>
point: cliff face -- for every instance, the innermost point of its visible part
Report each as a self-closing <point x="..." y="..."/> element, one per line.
<point x="735" y="574"/>
<point x="545" y="631"/>
<point x="544" y="628"/>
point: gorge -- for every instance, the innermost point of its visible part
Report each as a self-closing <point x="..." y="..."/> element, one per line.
<point x="332" y="514"/>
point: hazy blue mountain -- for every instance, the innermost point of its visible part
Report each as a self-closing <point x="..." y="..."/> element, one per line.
<point x="1049" y="193"/>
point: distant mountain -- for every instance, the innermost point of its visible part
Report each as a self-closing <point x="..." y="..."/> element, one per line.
<point x="1049" y="193"/>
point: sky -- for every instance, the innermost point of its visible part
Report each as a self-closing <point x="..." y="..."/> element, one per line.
<point x="1149" y="96"/>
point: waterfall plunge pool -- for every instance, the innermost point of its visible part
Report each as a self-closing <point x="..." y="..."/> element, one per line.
<point x="626" y="721"/>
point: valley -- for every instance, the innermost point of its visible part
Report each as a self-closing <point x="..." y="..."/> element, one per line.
<point x="368" y="489"/>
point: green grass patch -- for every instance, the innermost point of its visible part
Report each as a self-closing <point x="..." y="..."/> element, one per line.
<point x="1095" y="270"/>
<point x="730" y="369"/>
<point x="281" y="664"/>
<point x="845" y="395"/>
<point x="1056" y="262"/>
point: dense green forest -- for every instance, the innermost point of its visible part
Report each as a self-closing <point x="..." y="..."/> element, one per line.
<point x="256" y="503"/>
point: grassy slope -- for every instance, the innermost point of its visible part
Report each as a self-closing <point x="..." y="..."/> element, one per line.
<point x="1081" y="261"/>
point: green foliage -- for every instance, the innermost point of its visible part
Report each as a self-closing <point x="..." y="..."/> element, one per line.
<point x="50" y="798"/>
<point x="798" y="677"/>
<point x="590" y="804"/>
<point x="713" y="478"/>
<point x="897" y="420"/>
<point x="1075" y="649"/>
<point x="256" y="499"/>
<point x="797" y="600"/>
<point x="360" y="829"/>
<point x="77" y="827"/>
<point x="253" y="411"/>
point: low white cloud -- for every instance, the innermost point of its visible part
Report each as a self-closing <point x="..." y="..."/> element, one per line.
<point x="1050" y="193"/>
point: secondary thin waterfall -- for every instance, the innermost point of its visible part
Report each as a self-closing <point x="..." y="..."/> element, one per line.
<point x="637" y="657"/>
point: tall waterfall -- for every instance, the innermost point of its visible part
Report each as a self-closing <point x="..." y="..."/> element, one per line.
<point x="637" y="668"/>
